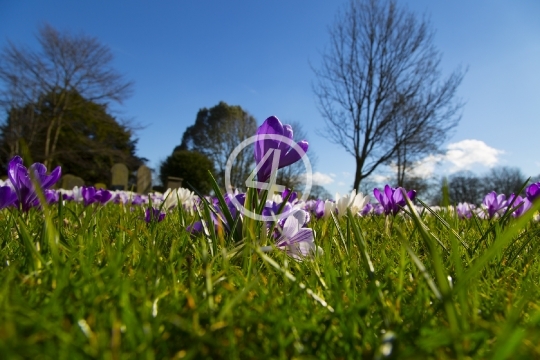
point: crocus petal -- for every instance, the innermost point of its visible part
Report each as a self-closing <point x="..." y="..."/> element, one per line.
<point x="284" y="146"/>
<point x="293" y="156"/>
<point x="304" y="234"/>
<point x="7" y="197"/>
<point x="533" y="191"/>
<point x="49" y="180"/>
<point x="39" y="169"/>
<point x="290" y="228"/>
<point x="14" y="169"/>
<point x="378" y="195"/>
<point x="104" y="196"/>
<point x="388" y="192"/>
<point x="272" y="125"/>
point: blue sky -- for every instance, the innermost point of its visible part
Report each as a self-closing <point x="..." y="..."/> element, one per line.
<point x="185" y="55"/>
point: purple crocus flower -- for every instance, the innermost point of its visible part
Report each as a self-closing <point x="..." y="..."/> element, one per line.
<point x="218" y="218"/>
<point x="464" y="210"/>
<point x="319" y="209"/>
<point x="103" y="196"/>
<point x="240" y="198"/>
<point x="392" y="199"/>
<point x="88" y="194"/>
<point x="8" y="197"/>
<point x="21" y="180"/>
<point x="137" y="200"/>
<point x="196" y="228"/>
<point x="316" y="207"/>
<point x="494" y="203"/>
<point x="271" y="208"/>
<point x="153" y="215"/>
<point x="51" y="196"/>
<point x="91" y="195"/>
<point x="378" y="209"/>
<point x="523" y="203"/>
<point x="292" y="198"/>
<point x="366" y="210"/>
<point x="296" y="240"/>
<point x="533" y="191"/>
<point x="272" y="127"/>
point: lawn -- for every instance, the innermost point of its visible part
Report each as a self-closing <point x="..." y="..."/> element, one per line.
<point x="103" y="281"/>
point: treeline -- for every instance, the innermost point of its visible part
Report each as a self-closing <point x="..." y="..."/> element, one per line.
<point x="56" y="102"/>
<point x="467" y="186"/>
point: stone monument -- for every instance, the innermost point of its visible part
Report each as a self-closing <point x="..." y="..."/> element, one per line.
<point x="69" y="181"/>
<point x="119" y="177"/>
<point x="174" y="182"/>
<point x="144" y="180"/>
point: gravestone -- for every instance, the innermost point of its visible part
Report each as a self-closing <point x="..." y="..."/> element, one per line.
<point x="144" y="180"/>
<point x="174" y="182"/>
<point x="69" y="181"/>
<point x="119" y="177"/>
<point x="100" y="186"/>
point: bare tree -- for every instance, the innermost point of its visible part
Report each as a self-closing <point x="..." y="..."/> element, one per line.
<point x="379" y="87"/>
<point x="465" y="186"/>
<point x="504" y="180"/>
<point x="216" y="133"/>
<point x="66" y="68"/>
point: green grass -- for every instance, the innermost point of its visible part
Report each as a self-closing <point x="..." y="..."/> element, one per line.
<point x="101" y="283"/>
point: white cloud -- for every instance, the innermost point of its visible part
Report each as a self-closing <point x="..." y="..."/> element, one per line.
<point x="332" y="175"/>
<point x="321" y="179"/>
<point x="426" y="166"/>
<point x="346" y="173"/>
<point x="379" y="178"/>
<point x="341" y="183"/>
<point x="465" y="154"/>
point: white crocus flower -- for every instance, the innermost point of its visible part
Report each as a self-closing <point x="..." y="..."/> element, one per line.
<point x="358" y="202"/>
<point x="329" y="206"/>
<point x="277" y="198"/>
<point x="181" y="195"/>
<point x="77" y="194"/>
<point x="354" y="201"/>
<point x="296" y="240"/>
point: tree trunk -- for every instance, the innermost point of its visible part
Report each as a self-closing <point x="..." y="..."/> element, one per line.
<point x="358" y="176"/>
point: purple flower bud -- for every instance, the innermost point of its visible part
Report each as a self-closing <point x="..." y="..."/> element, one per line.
<point x="51" y="196"/>
<point x="366" y="210"/>
<point x="292" y="198"/>
<point x="153" y="215"/>
<point x="196" y="228"/>
<point x="88" y="194"/>
<point x="533" y="191"/>
<point x="319" y="209"/>
<point x="264" y="144"/>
